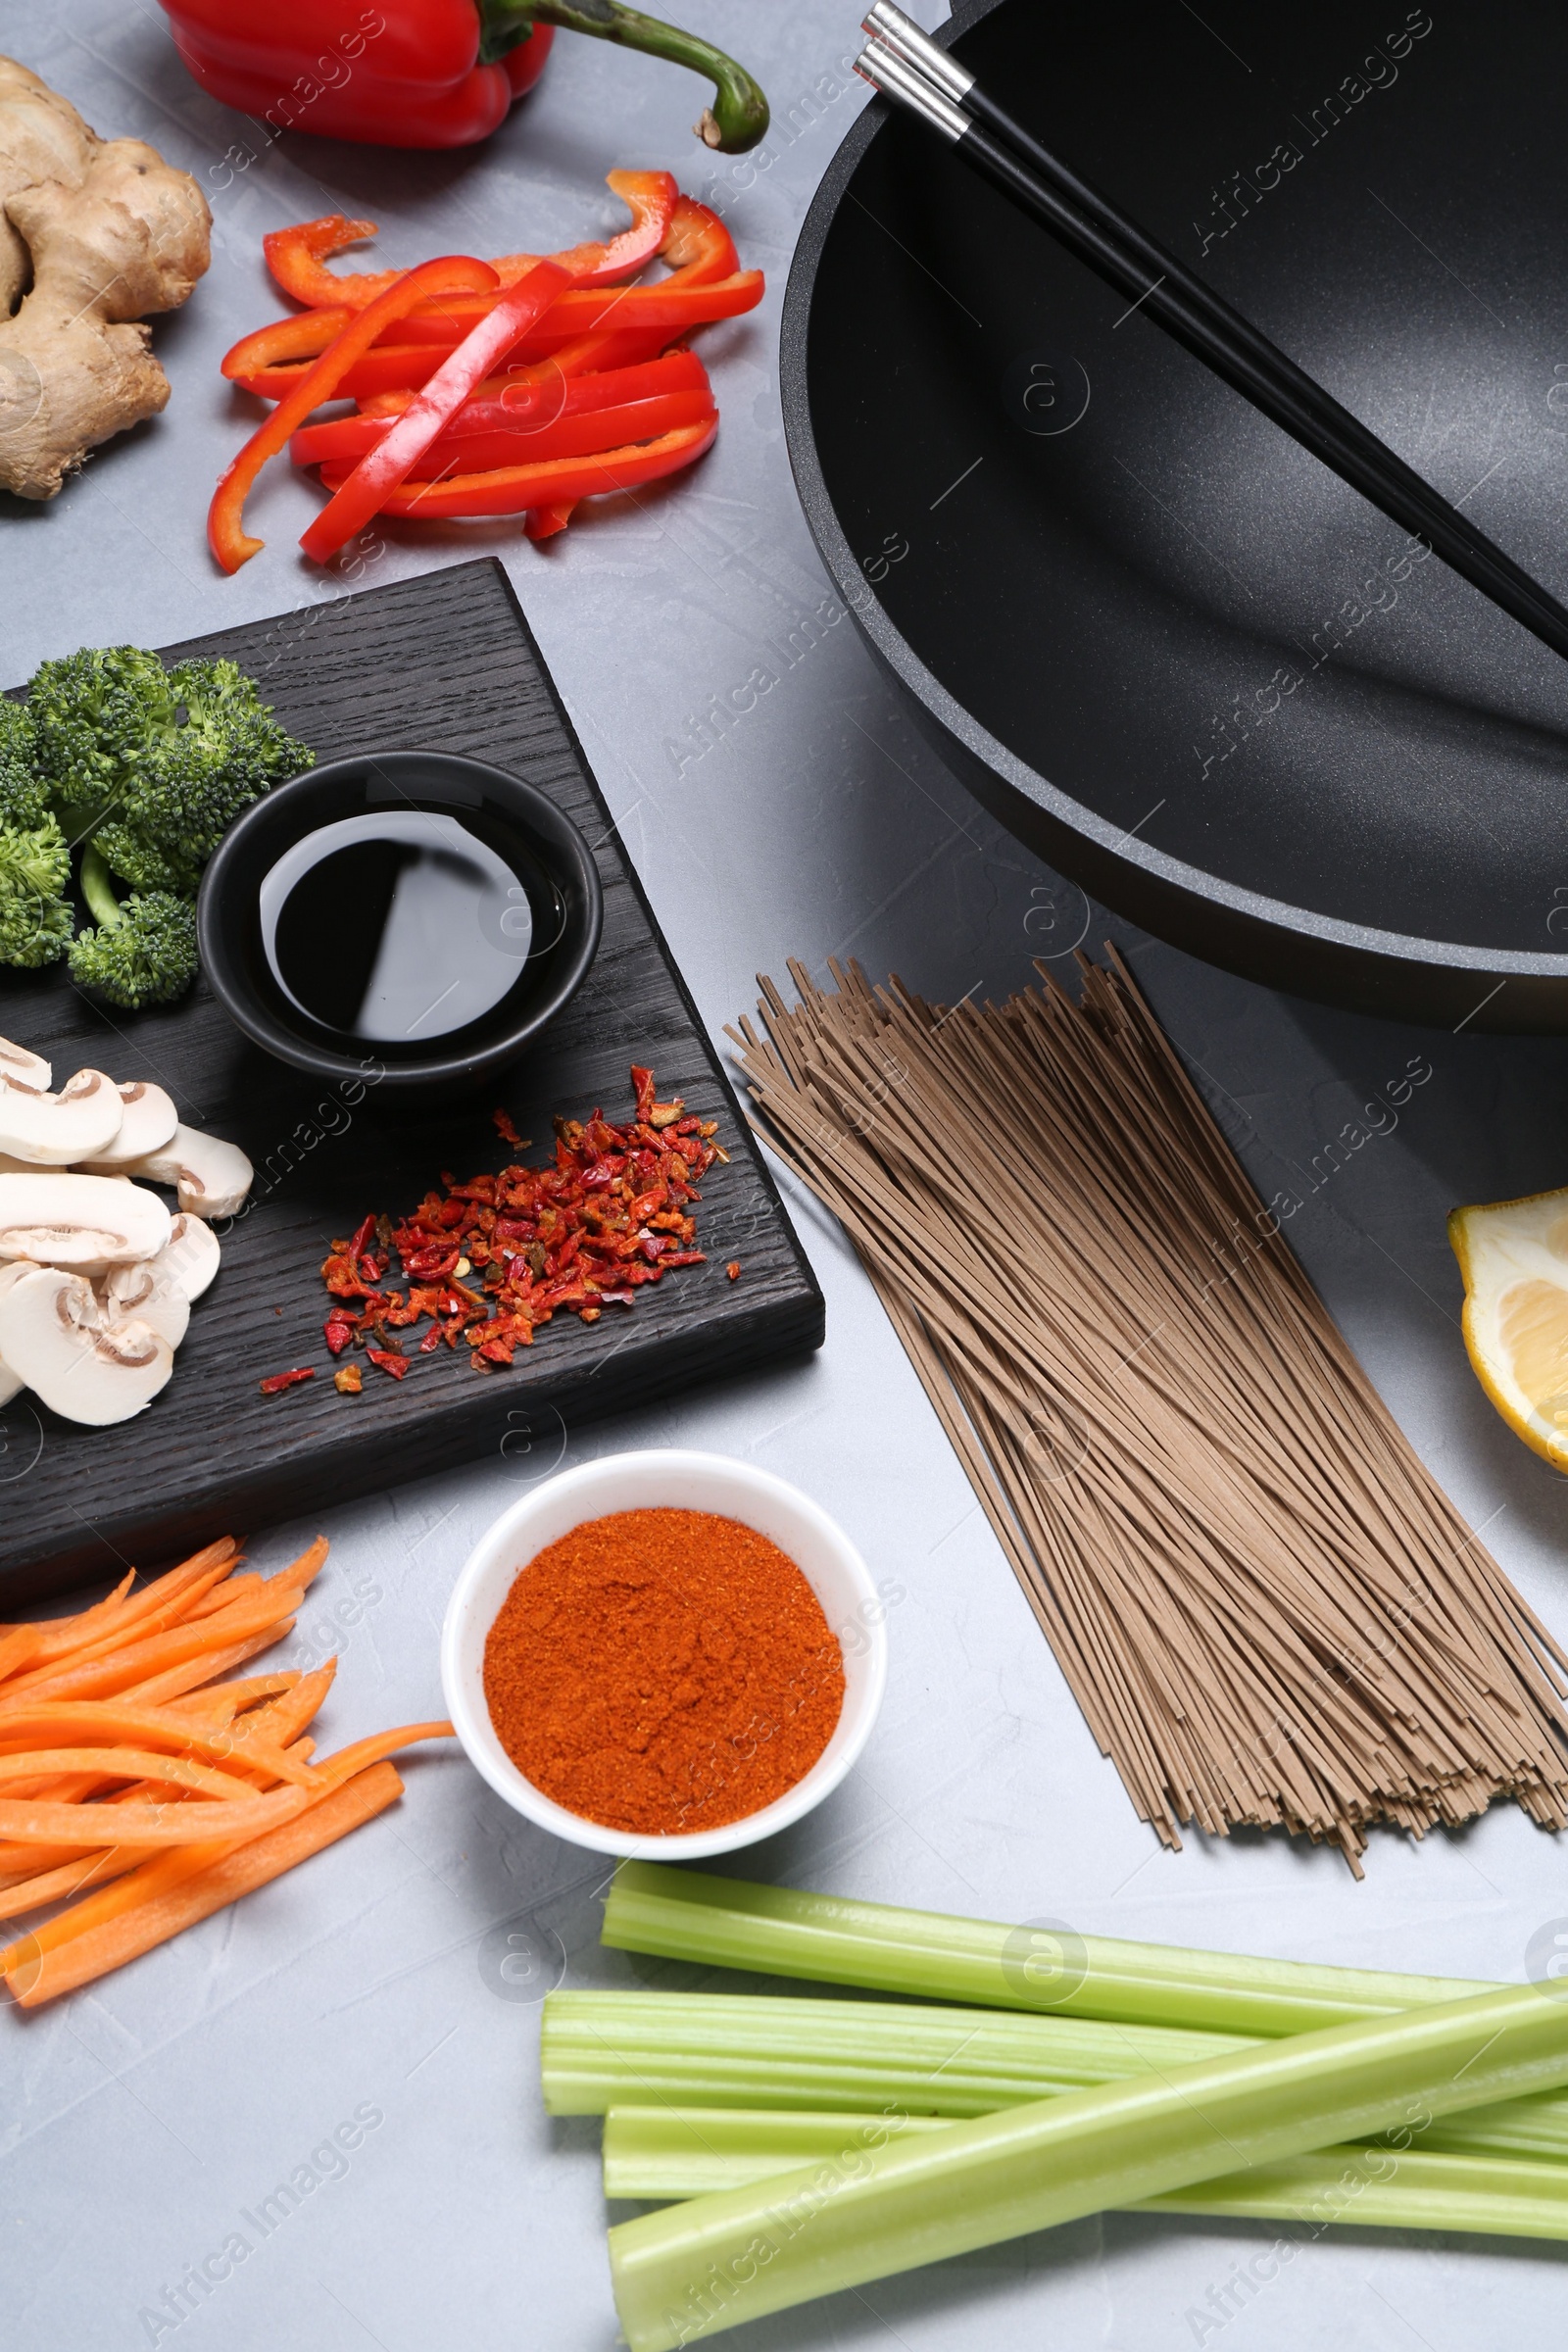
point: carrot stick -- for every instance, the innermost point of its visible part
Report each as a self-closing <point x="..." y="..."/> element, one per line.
<point x="115" y="1618"/>
<point x="142" y="1764"/>
<point x="101" y="1678"/>
<point x="19" y="1861"/>
<point x="70" y="1722"/>
<point x="301" y="1572"/>
<point x="36" y="1822"/>
<point x="288" y="1716"/>
<point x="160" y="1688"/>
<point x="52" y="1625"/>
<point x="20" y="1644"/>
<point x="67" y="1878"/>
<point x="238" y="1588"/>
<point x="225" y="1700"/>
<point x="168" y="1869"/>
<point x="35" y="1975"/>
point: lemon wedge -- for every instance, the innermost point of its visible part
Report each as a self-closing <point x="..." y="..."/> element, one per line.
<point x="1513" y="1255"/>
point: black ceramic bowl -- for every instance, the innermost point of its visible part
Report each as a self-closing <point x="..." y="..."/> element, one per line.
<point x="1162" y="644"/>
<point x="413" y="909"/>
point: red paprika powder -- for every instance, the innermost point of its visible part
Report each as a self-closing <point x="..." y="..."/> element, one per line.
<point x="663" y="1671"/>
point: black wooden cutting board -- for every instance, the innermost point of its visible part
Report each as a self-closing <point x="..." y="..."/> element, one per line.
<point x="445" y="663"/>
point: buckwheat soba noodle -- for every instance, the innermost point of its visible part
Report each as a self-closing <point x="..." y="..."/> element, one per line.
<point x="1266" y="1608"/>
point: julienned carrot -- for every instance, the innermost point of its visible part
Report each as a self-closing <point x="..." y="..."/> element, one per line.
<point x="117" y="1615"/>
<point x="74" y="1723"/>
<point x="164" y="1871"/>
<point x="41" y="1627"/>
<point x="191" y="1672"/>
<point x="20" y="1644"/>
<point x="67" y="1879"/>
<point x="223" y="1703"/>
<point x="116" y="1670"/>
<point x="35" y="1975"/>
<point x="134" y="1764"/>
<point x="225" y="529"/>
<point x="43" y="1824"/>
<point x="284" y="1717"/>
<point x="293" y="1700"/>
<point x="138" y="1619"/>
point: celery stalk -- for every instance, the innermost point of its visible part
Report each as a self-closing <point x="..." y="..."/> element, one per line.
<point x="784" y="1932"/>
<point x="698" y="2267"/>
<point x="607" y="2049"/>
<point x="674" y="2152"/>
<point x="664" y="2153"/>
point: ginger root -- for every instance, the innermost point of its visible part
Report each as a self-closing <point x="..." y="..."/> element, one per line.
<point x="94" y="234"/>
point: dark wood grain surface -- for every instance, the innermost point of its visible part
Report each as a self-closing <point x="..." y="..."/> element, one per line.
<point x="445" y="661"/>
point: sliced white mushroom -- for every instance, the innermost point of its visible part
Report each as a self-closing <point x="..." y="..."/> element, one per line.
<point x="83" y="1223"/>
<point x="11" y="1382"/>
<point x="27" y="1069"/>
<point x="211" y="1177"/>
<point x="54" y="1130"/>
<point x="54" y="1338"/>
<point x="148" y="1121"/>
<point x="190" y="1256"/>
<point x="147" y="1294"/>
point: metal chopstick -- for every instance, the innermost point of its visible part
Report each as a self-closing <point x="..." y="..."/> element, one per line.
<point x="908" y="68"/>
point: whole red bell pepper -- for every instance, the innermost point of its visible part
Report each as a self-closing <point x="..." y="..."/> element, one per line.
<point x="424" y="73"/>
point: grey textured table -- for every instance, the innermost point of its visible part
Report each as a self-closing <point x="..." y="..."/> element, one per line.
<point x="145" y="2123"/>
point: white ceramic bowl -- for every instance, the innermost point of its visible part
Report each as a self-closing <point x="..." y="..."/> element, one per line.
<point x="682" y="1481"/>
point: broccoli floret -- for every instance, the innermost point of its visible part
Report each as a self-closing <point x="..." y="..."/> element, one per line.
<point x="180" y="798"/>
<point x="149" y="768"/>
<point x="146" y="957"/>
<point x="142" y="863"/>
<point x="96" y="717"/>
<point x="35" y="921"/>
<point x="24" y="800"/>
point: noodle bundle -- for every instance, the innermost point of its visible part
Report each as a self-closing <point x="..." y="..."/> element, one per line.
<point x="1268" y="1611"/>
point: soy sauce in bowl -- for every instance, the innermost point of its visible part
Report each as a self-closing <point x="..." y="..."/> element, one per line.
<point x="419" y="908"/>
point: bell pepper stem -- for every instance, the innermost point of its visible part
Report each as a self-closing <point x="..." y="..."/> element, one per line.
<point x="98" y="889"/>
<point x="738" y="116"/>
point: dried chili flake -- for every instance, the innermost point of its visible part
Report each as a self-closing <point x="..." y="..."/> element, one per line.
<point x="279" y="1380"/>
<point x="346" y="1380"/>
<point x="584" y="1231"/>
<point x="733" y="1269"/>
<point x="506" y="1130"/>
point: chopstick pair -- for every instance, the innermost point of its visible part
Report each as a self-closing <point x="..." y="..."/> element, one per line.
<point x="907" y="67"/>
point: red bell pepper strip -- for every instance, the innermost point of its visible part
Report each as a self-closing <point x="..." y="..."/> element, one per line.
<point x="524" y="407"/>
<point x="567" y="437"/>
<point x="671" y="309"/>
<point x="424" y="73"/>
<point x="226" y="531"/>
<point x="699" y="248"/>
<point x="513" y="489"/>
<point x="295" y="256"/>
<point x="410" y="435"/>
<point x="674" y="302"/>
